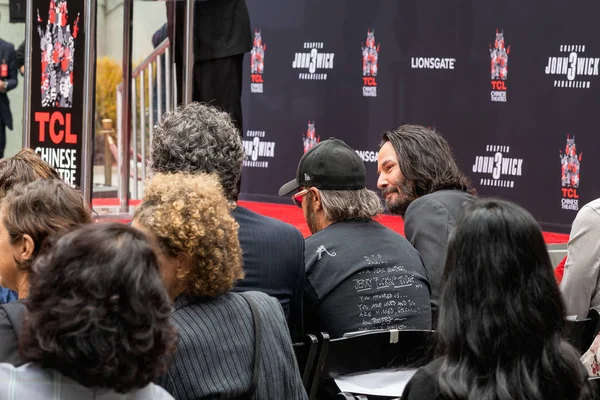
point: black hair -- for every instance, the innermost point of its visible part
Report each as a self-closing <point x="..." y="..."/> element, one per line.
<point x="97" y="309"/>
<point x="426" y="161"/>
<point x="502" y="317"/>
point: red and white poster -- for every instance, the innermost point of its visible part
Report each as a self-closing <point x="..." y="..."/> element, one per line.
<point x="57" y="64"/>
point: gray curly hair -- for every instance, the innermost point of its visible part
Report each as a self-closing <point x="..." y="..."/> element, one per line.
<point x="199" y="138"/>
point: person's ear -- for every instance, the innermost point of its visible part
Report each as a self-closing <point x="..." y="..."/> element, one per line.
<point x="183" y="264"/>
<point x="316" y="199"/>
<point x="25" y="248"/>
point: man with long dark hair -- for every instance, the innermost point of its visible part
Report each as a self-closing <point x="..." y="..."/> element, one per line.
<point x="420" y="180"/>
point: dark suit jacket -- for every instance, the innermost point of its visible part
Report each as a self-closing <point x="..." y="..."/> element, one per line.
<point x="273" y="254"/>
<point x="428" y="223"/>
<point x="7" y="54"/>
<point x="221" y="28"/>
<point x="11" y="321"/>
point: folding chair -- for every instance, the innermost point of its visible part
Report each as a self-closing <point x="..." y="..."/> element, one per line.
<point x="349" y="396"/>
<point x="306" y="355"/>
<point x="323" y="338"/>
<point x="372" y="351"/>
<point x="580" y="333"/>
<point x="595" y="385"/>
<point x="594" y="315"/>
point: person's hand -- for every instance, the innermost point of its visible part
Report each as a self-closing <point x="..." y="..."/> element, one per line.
<point x="22" y="70"/>
<point x="2" y="86"/>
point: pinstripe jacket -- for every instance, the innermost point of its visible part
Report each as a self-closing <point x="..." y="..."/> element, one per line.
<point x="31" y="382"/>
<point x="215" y="356"/>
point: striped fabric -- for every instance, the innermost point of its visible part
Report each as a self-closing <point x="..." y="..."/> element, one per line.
<point x="216" y="350"/>
<point x="31" y="382"/>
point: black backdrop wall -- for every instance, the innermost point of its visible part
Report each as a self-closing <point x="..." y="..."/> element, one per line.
<point x="512" y="85"/>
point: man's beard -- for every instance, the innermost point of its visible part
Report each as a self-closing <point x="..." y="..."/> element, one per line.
<point x="311" y="220"/>
<point x="404" y="197"/>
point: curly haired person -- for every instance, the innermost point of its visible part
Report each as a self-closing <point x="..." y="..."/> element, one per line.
<point x="98" y="320"/>
<point x="231" y="345"/>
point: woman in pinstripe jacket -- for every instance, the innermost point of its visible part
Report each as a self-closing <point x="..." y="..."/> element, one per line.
<point x="231" y="346"/>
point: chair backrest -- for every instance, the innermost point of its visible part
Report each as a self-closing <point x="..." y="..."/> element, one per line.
<point x="306" y="356"/>
<point x="319" y="363"/>
<point x="594" y="315"/>
<point x="371" y="351"/>
<point x="579" y="333"/>
<point x="594" y="386"/>
<point x="379" y="350"/>
<point x="350" y="396"/>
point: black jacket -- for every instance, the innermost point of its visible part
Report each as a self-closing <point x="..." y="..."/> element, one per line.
<point x="7" y="54"/>
<point x="428" y="223"/>
<point x="273" y="253"/>
<point x="221" y="28"/>
<point x="11" y="321"/>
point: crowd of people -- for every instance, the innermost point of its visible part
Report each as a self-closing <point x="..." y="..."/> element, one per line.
<point x="201" y="298"/>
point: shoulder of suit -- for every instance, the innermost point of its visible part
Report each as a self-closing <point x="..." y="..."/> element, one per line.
<point x="443" y="197"/>
<point x="263" y="299"/>
<point x="7" y="44"/>
<point x="273" y="223"/>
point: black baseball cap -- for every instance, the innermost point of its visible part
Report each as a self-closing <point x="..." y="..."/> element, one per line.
<point x="331" y="164"/>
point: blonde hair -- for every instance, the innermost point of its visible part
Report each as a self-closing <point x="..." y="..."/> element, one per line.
<point x="189" y="214"/>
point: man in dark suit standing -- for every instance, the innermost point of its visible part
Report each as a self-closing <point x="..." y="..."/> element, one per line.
<point x="8" y="81"/>
<point x="420" y="181"/>
<point x="201" y="139"/>
<point x="222" y="35"/>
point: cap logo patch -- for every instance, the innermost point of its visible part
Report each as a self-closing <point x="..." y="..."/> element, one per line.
<point x="306" y="177"/>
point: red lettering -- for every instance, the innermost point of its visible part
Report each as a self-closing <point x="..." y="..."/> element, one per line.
<point x="70" y="138"/>
<point x="256" y="78"/>
<point x="369" y="81"/>
<point x="57" y="137"/>
<point x="499" y="85"/>
<point x="570" y="193"/>
<point x="59" y="127"/>
<point x="41" y="118"/>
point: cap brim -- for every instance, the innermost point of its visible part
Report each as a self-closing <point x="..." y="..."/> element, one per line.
<point x="289" y="187"/>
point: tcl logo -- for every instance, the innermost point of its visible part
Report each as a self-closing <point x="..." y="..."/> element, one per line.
<point x="499" y="85"/>
<point x="369" y="81"/>
<point x="570" y="193"/>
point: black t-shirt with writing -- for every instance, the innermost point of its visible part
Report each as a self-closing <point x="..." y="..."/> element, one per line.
<point x="363" y="276"/>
